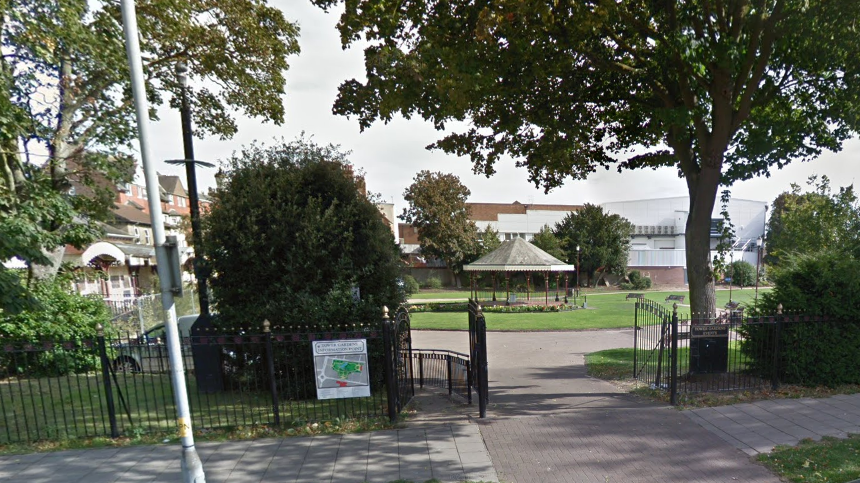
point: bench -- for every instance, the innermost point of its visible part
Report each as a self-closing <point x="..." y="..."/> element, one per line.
<point x="675" y="298"/>
<point x="637" y="296"/>
<point x="733" y="306"/>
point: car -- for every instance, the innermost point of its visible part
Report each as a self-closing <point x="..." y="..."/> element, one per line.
<point x="148" y="353"/>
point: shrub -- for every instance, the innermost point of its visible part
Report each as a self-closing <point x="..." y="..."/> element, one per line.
<point x="433" y="283"/>
<point x="636" y="281"/>
<point x="822" y="350"/>
<point x="57" y="316"/>
<point x="742" y="273"/>
<point x="411" y="285"/>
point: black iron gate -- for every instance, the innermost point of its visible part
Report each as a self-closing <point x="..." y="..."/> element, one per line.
<point x="399" y="376"/>
<point x="478" y="354"/>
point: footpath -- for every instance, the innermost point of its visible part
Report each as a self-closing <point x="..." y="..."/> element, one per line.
<point x="547" y="422"/>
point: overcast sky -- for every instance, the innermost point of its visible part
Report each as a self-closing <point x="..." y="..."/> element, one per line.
<point x="392" y="154"/>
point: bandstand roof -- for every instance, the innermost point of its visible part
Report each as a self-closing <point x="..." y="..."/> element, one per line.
<point x="518" y="255"/>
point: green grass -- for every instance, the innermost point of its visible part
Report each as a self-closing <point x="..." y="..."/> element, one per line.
<point x="830" y="460"/>
<point x="617" y="364"/>
<point x="608" y="310"/>
<point x="427" y="294"/>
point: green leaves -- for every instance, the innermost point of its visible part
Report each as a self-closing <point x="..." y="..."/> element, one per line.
<point x="437" y="208"/>
<point x="603" y="241"/>
<point x="290" y="234"/>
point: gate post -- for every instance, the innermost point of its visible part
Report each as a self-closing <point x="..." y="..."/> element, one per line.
<point x="774" y="380"/>
<point x="673" y="385"/>
<point x="450" y="375"/>
<point x="390" y="380"/>
<point x="273" y="385"/>
<point x="635" y="335"/>
<point x="469" y="382"/>
<point x="100" y="336"/>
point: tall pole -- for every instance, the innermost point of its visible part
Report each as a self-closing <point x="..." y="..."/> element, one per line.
<point x="577" y="268"/>
<point x="200" y="271"/>
<point x="758" y="244"/>
<point x="192" y="467"/>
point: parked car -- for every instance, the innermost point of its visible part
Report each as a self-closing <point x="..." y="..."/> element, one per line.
<point x="149" y="352"/>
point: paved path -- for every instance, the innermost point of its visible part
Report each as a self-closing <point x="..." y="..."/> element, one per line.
<point x="758" y="427"/>
<point x="549" y="422"/>
<point x="449" y="453"/>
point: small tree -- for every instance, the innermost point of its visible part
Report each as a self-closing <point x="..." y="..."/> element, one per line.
<point x="603" y="240"/>
<point x="546" y="240"/>
<point x="489" y="241"/>
<point x="437" y="208"/>
<point x="742" y="273"/>
<point x="807" y="222"/>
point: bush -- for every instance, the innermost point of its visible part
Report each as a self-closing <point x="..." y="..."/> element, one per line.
<point x="411" y="285"/>
<point x="742" y="273"/>
<point x="636" y="281"/>
<point x="820" y="351"/>
<point x="58" y="316"/>
<point x="433" y="283"/>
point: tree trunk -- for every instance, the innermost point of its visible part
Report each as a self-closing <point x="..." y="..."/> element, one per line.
<point x="703" y="193"/>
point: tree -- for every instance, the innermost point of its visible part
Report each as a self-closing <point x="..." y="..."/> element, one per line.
<point x="489" y="241"/>
<point x="603" y="240"/>
<point x="812" y="221"/>
<point x="289" y="236"/>
<point x="722" y="91"/>
<point x="437" y="208"/>
<point x="66" y="105"/>
<point x="546" y="240"/>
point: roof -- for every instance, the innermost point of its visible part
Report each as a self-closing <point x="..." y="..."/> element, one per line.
<point x="172" y="185"/>
<point x="131" y="214"/>
<point x="491" y="211"/>
<point x="518" y="255"/>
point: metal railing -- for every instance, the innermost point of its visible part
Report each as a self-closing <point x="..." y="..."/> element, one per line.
<point x="111" y="385"/>
<point x="444" y="369"/>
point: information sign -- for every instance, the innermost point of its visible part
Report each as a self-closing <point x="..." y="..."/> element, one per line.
<point x="341" y="368"/>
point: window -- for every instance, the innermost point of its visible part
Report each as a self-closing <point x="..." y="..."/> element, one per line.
<point x="136" y="235"/>
<point x="116" y="282"/>
<point x="146" y="235"/>
<point x="180" y="201"/>
<point x="142" y="192"/>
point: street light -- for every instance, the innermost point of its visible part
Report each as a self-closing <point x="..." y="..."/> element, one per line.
<point x="577" y="268"/>
<point x="191" y="175"/>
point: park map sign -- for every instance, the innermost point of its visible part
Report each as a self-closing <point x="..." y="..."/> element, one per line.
<point x="341" y="368"/>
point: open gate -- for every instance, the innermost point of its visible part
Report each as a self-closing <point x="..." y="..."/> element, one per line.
<point x="399" y="377"/>
<point x="478" y="354"/>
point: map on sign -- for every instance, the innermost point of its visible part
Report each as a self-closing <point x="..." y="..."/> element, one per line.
<point x="341" y="368"/>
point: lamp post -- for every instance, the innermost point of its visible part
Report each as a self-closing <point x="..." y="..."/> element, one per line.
<point x="191" y="175"/>
<point x="758" y="243"/>
<point x="577" y="268"/>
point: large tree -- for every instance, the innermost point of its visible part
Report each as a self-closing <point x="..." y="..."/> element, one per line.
<point x="720" y="90"/>
<point x="546" y="240"/>
<point x="66" y="106"/>
<point x="596" y="241"/>
<point x="817" y="220"/>
<point x="290" y="234"/>
<point x="437" y="208"/>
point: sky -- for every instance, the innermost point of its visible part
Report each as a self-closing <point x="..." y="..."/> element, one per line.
<point x="392" y="154"/>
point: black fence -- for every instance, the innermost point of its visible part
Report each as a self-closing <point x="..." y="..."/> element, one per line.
<point x="444" y="369"/>
<point x="713" y="352"/>
<point x="109" y="385"/>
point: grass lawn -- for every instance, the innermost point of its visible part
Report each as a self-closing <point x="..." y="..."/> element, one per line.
<point x="607" y="310"/>
<point x="426" y="294"/>
<point x="71" y="407"/>
<point x="829" y="460"/>
<point x="617" y="364"/>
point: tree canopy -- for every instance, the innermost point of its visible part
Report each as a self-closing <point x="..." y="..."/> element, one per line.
<point x="66" y="104"/>
<point x="546" y="240"/>
<point x="722" y="91"/>
<point x="437" y="208"/>
<point x="816" y="220"/>
<point x="603" y="240"/>
<point x="290" y="235"/>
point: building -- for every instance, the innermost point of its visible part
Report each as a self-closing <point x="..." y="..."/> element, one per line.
<point x="122" y="264"/>
<point x="658" y="244"/>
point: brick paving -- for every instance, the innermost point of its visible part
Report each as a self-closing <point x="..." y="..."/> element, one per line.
<point x="549" y="422"/>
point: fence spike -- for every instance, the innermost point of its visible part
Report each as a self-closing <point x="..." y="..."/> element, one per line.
<point x="779" y="309"/>
<point x="267" y="326"/>
<point x="100" y="330"/>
